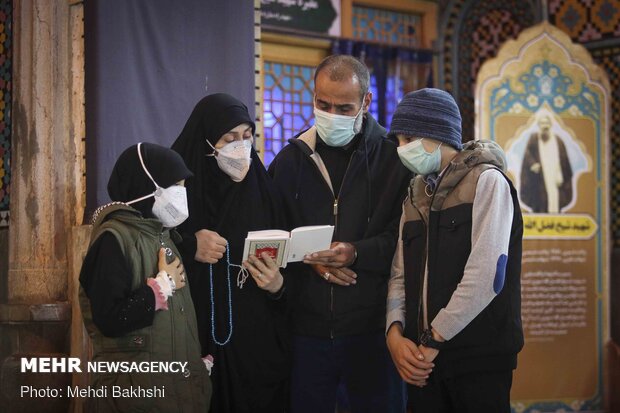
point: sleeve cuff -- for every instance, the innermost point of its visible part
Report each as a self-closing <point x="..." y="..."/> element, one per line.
<point x="362" y="252"/>
<point x="392" y="317"/>
<point x="446" y="325"/>
<point x="277" y="295"/>
<point x="161" y="301"/>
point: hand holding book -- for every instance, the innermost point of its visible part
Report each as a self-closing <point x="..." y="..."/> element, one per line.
<point x="284" y="247"/>
<point x="341" y="254"/>
<point x="265" y="272"/>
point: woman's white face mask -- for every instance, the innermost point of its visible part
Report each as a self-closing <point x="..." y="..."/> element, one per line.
<point x="170" y="205"/>
<point x="234" y="158"/>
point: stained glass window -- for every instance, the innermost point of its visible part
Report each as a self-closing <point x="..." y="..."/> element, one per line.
<point x="386" y="26"/>
<point x="386" y="41"/>
<point x="287" y="104"/>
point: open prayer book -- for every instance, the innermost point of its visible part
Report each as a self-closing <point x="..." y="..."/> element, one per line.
<point x="285" y="247"/>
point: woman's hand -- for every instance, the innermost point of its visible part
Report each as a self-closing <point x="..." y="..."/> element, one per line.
<point x="210" y="246"/>
<point x="175" y="269"/>
<point x="265" y="272"/>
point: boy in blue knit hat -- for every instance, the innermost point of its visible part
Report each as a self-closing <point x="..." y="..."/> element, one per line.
<point x="454" y="310"/>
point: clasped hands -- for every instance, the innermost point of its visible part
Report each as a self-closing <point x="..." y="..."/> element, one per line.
<point x="332" y="264"/>
<point x="413" y="362"/>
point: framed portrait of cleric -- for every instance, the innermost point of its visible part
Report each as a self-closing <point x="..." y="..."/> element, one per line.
<point x="546" y="102"/>
<point x="545" y="161"/>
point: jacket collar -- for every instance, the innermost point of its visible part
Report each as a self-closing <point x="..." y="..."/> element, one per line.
<point x="126" y="214"/>
<point x="474" y="153"/>
<point x="372" y="136"/>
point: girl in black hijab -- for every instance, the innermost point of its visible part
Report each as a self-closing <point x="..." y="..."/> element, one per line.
<point x="229" y="195"/>
<point x="134" y="292"/>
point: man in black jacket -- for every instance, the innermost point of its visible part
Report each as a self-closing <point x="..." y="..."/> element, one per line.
<point x="343" y="171"/>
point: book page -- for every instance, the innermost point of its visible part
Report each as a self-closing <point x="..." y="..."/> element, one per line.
<point x="306" y="240"/>
<point x="268" y="233"/>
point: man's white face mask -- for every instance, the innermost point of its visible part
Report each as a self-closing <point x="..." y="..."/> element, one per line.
<point x="170" y="205"/>
<point x="234" y="158"/>
<point x="337" y="130"/>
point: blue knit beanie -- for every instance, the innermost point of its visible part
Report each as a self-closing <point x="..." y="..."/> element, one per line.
<point x="428" y="113"/>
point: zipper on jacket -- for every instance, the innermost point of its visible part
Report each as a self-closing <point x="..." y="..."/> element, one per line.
<point x="421" y="314"/>
<point x="421" y="295"/>
<point x="170" y="299"/>
<point x="331" y="310"/>
<point x="335" y="211"/>
<point x="337" y="196"/>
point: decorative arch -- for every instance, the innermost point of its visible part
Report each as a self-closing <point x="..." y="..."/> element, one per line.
<point x="472" y="31"/>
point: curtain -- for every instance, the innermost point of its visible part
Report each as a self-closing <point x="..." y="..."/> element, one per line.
<point x="394" y="71"/>
<point x="148" y="62"/>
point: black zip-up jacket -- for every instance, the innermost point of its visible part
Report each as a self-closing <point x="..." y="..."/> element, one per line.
<point x="365" y="212"/>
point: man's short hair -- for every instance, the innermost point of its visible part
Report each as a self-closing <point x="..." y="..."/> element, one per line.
<point x="341" y="67"/>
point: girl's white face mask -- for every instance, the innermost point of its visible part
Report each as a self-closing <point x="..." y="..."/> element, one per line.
<point x="234" y="158"/>
<point x="170" y="205"/>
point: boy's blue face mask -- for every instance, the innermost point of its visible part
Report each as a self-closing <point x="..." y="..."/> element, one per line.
<point x="337" y="130"/>
<point x="417" y="160"/>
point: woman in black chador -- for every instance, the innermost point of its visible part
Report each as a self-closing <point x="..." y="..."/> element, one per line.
<point x="241" y="314"/>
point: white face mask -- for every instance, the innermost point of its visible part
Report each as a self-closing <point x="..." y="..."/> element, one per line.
<point x="416" y="159"/>
<point x="170" y="205"/>
<point x="337" y="130"/>
<point x="234" y="158"/>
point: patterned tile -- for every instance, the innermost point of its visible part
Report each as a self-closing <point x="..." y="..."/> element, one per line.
<point x="610" y="59"/>
<point x="586" y="20"/>
<point x="484" y="29"/>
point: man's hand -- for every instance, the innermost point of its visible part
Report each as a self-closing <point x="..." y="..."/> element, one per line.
<point x="408" y="358"/>
<point x="341" y="276"/>
<point x="175" y="269"/>
<point x="341" y="254"/>
<point x="535" y="167"/>
<point x="210" y="247"/>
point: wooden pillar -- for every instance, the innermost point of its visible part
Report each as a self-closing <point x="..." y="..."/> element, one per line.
<point x="47" y="193"/>
<point x="46" y="153"/>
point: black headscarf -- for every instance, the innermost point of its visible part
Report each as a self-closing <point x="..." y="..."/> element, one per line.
<point x="129" y="181"/>
<point x="215" y="201"/>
